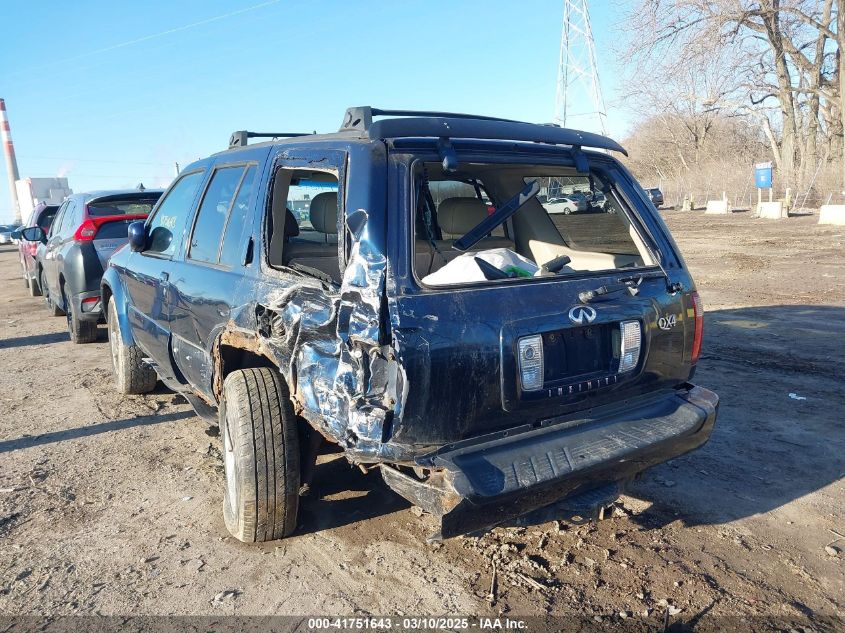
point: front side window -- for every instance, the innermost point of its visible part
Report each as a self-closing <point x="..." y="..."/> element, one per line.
<point x="167" y="225"/>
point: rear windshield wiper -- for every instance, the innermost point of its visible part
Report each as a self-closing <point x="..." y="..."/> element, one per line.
<point x="589" y="295"/>
<point x="477" y="233"/>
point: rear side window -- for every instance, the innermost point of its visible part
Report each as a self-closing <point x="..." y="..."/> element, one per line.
<point x="214" y="210"/>
<point x="69" y="219"/>
<point x="171" y="216"/>
<point x="121" y="207"/>
<point x="57" y="221"/>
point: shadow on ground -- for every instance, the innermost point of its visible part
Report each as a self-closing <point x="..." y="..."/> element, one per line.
<point x="34" y="339"/>
<point x="780" y="434"/>
<point x="342" y="495"/>
<point x="31" y="441"/>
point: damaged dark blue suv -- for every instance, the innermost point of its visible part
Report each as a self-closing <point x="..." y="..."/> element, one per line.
<point x="402" y="288"/>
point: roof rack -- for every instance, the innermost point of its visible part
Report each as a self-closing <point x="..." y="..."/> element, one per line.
<point x="240" y="138"/>
<point x="445" y="125"/>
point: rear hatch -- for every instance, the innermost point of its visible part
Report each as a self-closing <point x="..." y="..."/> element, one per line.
<point x="468" y="375"/>
<point x="109" y="218"/>
<point x="488" y="356"/>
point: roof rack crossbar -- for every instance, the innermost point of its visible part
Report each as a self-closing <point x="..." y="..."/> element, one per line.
<point x="240" y="138"/>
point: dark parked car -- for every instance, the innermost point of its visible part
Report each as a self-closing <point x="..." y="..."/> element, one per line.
<point x="656" y="196"/>
<point x="42" y="216"/>
<point x="74" y="252"/>
<point x="486" y="365"/>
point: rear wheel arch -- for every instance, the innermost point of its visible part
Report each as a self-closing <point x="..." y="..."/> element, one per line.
<point x="105" y="294"/>
<point x="115" y="292"/>
<point x="62" y="291"/>
<point x="233" y="351"/>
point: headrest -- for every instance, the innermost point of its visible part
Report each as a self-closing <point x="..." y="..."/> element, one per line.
<point x="324" y="212"/>
<point x="456" y="216"/>
<point x="291" y="225"/>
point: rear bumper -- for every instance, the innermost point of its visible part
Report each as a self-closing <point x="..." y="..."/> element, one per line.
<point x="484" y="482"/>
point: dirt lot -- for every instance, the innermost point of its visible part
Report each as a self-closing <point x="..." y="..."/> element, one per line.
<point x="112" y="505"/>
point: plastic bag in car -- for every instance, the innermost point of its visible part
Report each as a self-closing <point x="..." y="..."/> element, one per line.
<point x="464" y="269"/>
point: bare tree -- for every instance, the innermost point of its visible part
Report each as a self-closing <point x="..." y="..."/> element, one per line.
<point x="775" y="62"/>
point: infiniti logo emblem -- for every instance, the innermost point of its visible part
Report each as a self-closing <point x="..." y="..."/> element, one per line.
<point x="582" y="314"/>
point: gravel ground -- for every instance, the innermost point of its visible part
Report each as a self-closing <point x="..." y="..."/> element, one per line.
<point x="111" y="504"/>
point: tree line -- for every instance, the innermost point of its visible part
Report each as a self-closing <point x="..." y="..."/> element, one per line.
<point x="721" y="84"/>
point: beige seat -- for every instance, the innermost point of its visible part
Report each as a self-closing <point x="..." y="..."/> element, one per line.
<point x="455" y="216"/>
<point x="322" y="254"/>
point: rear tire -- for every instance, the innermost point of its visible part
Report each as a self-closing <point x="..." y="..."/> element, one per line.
<point x="80" y="331"/>
<point x="260" y="456"/>
<point x="131" y="373"/>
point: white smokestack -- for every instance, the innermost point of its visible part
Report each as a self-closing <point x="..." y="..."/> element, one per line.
<point x="11" y="163"/>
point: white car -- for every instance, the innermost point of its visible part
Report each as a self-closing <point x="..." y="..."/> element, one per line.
<point x="572" y="203"/>
<point x="6" y="233"/>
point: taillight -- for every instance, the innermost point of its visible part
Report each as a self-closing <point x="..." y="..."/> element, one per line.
<point x="530" y="349"/>
<point x="698" y="308"/>
<point x="630" y="340"/>
<point x="86" y="231"/>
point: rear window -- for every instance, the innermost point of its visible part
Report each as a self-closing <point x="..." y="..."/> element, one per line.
<point x="122" y="207"/>
<point x="585" y="218"/>
<point x="119" y="229"/>
<point x="573" y="221"/>
<point x="46" y="218"/>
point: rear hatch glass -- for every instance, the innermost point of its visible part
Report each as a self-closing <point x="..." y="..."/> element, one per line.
<point x="113" y="217"/>
<point x="121" y="207"/>
<point x="573" y="222"/>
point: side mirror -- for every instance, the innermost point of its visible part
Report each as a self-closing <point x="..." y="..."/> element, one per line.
<point x="33" y="234"/>
<point x="137" y="236"/>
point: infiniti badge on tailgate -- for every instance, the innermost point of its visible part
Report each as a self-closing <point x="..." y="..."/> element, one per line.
<point x="582" y="314"/>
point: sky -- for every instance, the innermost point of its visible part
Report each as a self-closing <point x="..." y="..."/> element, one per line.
<point x="110" y="94"/>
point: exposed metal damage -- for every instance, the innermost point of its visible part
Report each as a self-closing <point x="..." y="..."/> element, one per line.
<point x="331" y="347"/>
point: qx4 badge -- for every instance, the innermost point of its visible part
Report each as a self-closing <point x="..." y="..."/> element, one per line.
<point x="667" y="322"/>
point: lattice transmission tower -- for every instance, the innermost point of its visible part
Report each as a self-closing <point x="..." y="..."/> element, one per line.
<point x="579" y="103"/>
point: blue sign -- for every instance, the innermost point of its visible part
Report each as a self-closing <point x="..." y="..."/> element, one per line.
<point x="763" y="175"/>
